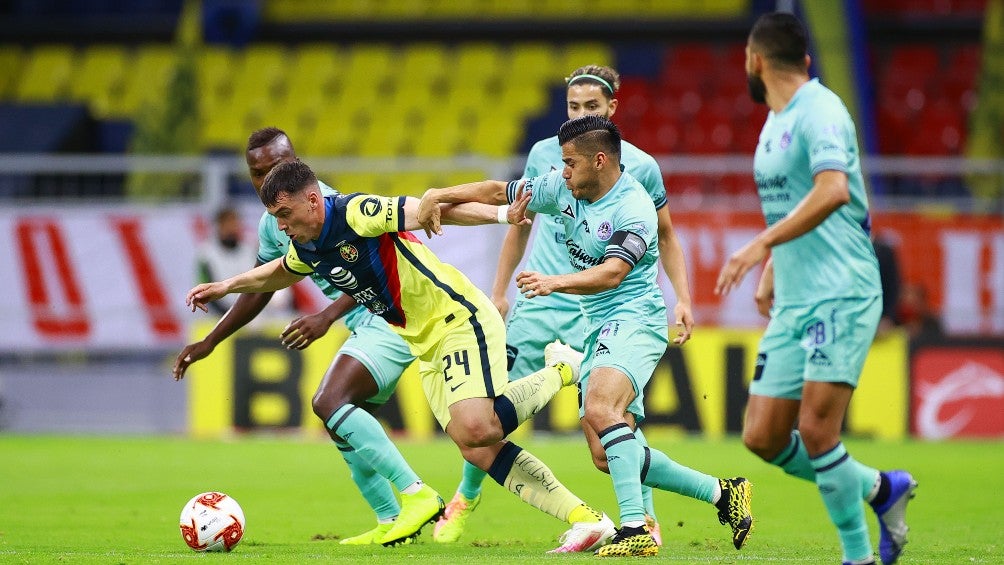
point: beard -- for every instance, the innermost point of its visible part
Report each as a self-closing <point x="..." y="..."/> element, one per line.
<point x="757" y="88"/>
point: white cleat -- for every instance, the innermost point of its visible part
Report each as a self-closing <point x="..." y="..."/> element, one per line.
<point x="558" y="352"/>
<point x="586" y="536"/>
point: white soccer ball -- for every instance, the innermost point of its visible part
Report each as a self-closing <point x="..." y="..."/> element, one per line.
<point x="212" y="521"/>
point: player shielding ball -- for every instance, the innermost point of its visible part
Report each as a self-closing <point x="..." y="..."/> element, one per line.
<point x="361" y="245"/>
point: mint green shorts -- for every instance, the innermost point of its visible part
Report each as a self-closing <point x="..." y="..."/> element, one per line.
<point x="825" y="342"/>
<point x="382" y="351"/>
<point x="630" y="347"/>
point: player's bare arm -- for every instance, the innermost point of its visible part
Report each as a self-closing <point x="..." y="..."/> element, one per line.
<point x="674" y="263"/>
<point x="829" y="192"/>
<point x="765" y="289"/>
<point x="513" y="249"/>
<point x="605" y="276"/>
<point x="269" y="277"/>
<point x="304" y="330"/>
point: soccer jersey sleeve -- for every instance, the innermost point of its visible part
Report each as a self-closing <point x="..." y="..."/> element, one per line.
<point x="370" y="216"/>
<point x="269" y="244"/>
<point x="631" y="237"/>
<point x="294" y="264"/>
<point x="826" y="134"/>
<point x="545" y="190"/>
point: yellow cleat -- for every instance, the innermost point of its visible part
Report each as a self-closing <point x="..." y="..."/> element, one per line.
<point x="630" y="542"/>
<point x="734" y="509"/>
<point x="417" y="510"/>
<point x="372" y="536"/>
<point x="450" y="526"/>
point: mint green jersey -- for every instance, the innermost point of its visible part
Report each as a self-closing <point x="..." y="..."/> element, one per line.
<point x="273" y="243"/>
<point x="815" y="133"/>
<point x="548" y="253"/>
<point x="622" y="224"/>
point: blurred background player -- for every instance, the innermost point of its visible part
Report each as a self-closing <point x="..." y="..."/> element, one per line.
<point x="225" y="253"/>
<point x="826" y="287"/>
<point x="365" y="370"/>
<point x="610" y="229"/>
<point x="361" y="244"/>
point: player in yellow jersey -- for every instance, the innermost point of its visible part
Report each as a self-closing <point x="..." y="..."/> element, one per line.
<point x="360" y="244"/>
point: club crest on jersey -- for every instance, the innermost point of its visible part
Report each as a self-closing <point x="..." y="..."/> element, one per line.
<point x="610" y="329"/>
<point x="605" y="230"/>
<point x="785" y="140"/>
<point x="370" y="206"/>
<point x="343" y="278"/>
<point x="349" y="252"/>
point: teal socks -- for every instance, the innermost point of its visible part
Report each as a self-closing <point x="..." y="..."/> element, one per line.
<point x="838" y="477"/>
<point x="367" y="437"/>
<point x="375" y="489"/>
<point x="624" y="458"/>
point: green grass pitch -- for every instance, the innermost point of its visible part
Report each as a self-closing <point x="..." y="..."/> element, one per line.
<point x="116" y="500"/>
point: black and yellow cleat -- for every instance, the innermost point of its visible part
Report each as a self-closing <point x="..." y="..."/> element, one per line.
<point x="417" y="510"/>
<point x="734" y="508"/>
<point x="630" y="542"/>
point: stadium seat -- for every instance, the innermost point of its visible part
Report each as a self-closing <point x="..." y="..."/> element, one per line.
<point x="47" y="74"/>
<point x="99" y="77"/>
<point x="146" y="81"/>
<point x="11" y="60"/>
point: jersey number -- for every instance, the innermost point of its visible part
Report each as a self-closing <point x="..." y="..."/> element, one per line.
<point x="459" y="359"/>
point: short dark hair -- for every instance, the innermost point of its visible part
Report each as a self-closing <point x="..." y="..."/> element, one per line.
<point x="264" y="136"/>
<point x="287" y="177"/>
<point x="592" y="134"/>
<point x="609" y="80"/>
<point x="780" y="37"/>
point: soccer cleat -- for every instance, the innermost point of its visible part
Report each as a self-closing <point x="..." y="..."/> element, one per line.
<point x="451" y="524"/>
<point x="417" y="510"/>
<point x="586" y="536"/>
<point x="892" y="515"/>
<point x="653" y="529"/>
<point x="630" y="542"/>
<point x="734" y="508"/>
<point x="372" y="536"/>
<point x="557" y="352"/>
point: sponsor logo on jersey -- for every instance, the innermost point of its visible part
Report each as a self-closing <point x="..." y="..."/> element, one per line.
<point x="820" y="359"/>
<point x="348" y="252"/>
<point x="610" y="329"/>
<point x="568" y="211"/>
<point x="602" y="350"/>
<point x="343" y="279"/>
<point x="605" y="230"/>
<point x="370" y="207"/>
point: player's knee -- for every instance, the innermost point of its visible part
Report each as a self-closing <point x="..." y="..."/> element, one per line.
<point x="763" y="444"/>
<point x="325" y="403"/>
<point x="475" y="431"/>
<point x="600" y="417"/>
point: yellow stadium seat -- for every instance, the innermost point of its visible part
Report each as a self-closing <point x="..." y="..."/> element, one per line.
<point x="11" y="60"/>
<point x="421" y="62"/>
<point x="530" y="61"/>
<point x="260" y="71"/>
<point x="99" y="78"/>
<point x="214" y="72"/>
<point x="409" y="183"/>
<point x="475" y="64"/>
<point x="147" y="78"/>
<point x="348" y="182"/>
<point x="576" y="55"/>
<point x="46" y="75"/>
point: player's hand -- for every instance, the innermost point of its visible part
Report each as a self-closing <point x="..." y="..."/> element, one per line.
<point x="516" y="215"/>
<point x="502" y="304"/>
<point x="203" y="294"/>
<point x="532" y="284"/>
<point x="190" y="354"/>
<point x="684" y="323"/>
<point x="305" y="330"/>
<point x="429" y="214"/>
<point x="764" y="295"/>
<point x="740" y="263"/>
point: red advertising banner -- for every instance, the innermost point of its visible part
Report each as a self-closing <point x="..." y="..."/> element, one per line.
<point x="957" y="390"/>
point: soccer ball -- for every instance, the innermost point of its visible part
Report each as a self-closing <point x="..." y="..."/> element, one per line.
<point x="212" y="521"/>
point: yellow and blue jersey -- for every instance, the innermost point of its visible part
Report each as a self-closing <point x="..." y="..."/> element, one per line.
<point x="364" y="252"/>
